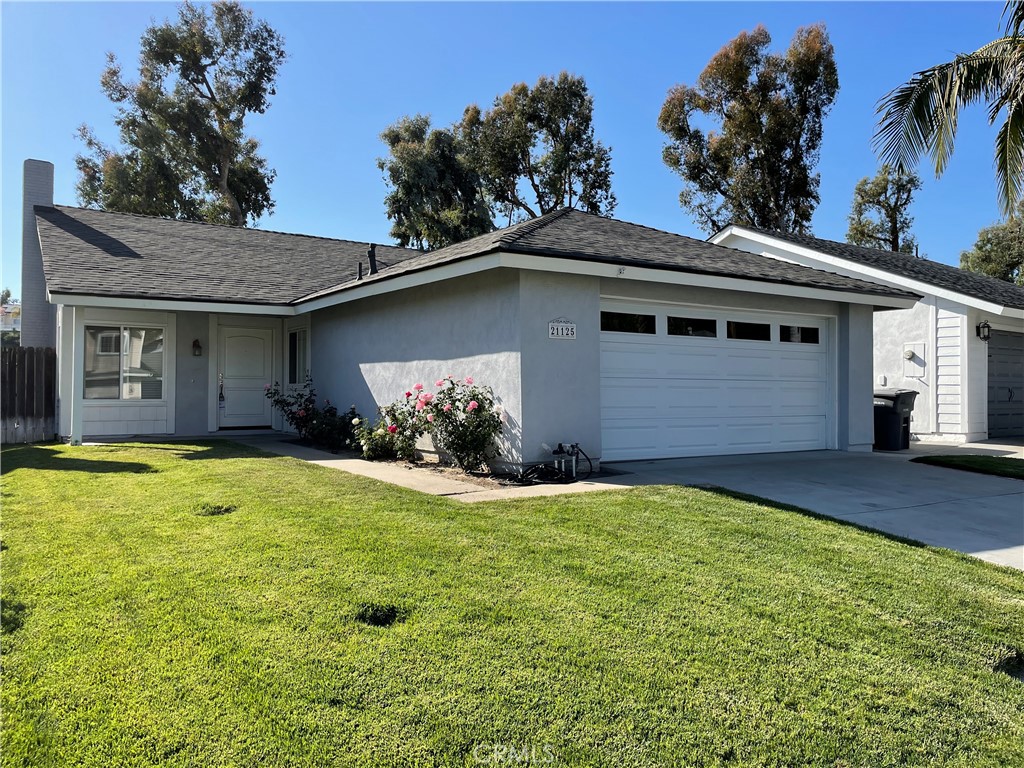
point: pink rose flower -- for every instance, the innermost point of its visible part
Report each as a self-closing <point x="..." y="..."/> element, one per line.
<point x="447" y="407"/>
<point x="469" y="380"/>
<point x="420" y="405"/>
<point x="266" y="387"/>
<point x="438" y="383"/>
<point x="430" y="417"/>
<point x="473" y="405"/>
<point x="302" y="413"/>
<point x="392" y="428"/>
<point x="417" y="387"/>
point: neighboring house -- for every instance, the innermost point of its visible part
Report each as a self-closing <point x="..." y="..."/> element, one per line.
<point x="10" y="317"/>
<point x="969" y="389"/>
<point x="636" y="343"/>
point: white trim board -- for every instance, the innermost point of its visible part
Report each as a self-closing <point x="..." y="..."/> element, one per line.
<point x="873" y="273"/>
<point x="170" y="305"/>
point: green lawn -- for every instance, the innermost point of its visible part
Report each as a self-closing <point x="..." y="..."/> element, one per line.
<point x="986" y="465"/>
<point x="655" y="626"/>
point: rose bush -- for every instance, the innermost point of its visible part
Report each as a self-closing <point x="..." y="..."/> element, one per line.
<point x="325" y="427"/>
<point x="466" y="422"/>
<point x="399" y="425"/>
<point x="462" y="417"/>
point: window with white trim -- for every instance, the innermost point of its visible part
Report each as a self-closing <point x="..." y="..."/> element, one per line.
<point x="298" y="368"/>
<point x="124" y="363"/>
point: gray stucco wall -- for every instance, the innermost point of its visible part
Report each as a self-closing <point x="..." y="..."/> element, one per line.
<point x="854" y="386"/>
<point x="561" y="379"/>
<point x="369" y="352"/>
<point x="192" y="374"/>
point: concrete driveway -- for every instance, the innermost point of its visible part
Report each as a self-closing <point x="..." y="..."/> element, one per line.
<point x="977" y="514"/>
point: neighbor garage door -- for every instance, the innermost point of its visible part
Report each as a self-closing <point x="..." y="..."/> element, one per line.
<point x="1006" y="384"/>
<point x="679" y="381"/>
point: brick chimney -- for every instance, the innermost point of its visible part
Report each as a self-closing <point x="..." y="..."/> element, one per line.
<point x="38" y="316"/>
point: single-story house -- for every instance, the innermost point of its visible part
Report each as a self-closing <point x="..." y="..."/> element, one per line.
<point x="969" y="389"/>
<point x="634" y="342"/>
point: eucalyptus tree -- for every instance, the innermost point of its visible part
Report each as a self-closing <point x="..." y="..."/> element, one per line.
<point x="755" y="165"/>
<point x="184" y="151"/>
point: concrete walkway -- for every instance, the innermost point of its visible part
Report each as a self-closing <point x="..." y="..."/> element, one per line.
<point x="977" y="514"/>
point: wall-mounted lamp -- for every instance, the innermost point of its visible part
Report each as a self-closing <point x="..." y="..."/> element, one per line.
<point x="984" y="330"/>
<point x="197" y="349"/>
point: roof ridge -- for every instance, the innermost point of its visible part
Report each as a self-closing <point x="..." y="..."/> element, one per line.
<point x="522" y="229"/>
<point x="225" y="226"/>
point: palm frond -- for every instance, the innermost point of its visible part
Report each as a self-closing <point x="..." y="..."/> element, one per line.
<point x="921" y="115"/>
<point x="1009" y="160"/>
<point x="1014" y="11"/>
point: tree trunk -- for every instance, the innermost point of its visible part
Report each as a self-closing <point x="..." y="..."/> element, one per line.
<point x="237" y="217"/>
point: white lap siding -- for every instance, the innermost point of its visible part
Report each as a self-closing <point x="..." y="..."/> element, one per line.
<point x="949" y="370"/>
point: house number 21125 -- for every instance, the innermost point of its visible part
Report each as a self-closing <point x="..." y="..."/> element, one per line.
<point x="562" y="331"/>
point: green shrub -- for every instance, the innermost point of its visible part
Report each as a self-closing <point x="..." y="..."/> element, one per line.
<point x="324" y="427"/>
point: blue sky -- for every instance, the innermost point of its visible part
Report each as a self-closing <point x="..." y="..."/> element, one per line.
<point x="354" y="68"/>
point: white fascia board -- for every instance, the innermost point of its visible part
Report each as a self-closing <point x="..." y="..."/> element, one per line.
<point x="597" y="269"/>
<point x="646" y="274"/>
<point x="166" y="305"/>
<point x="872" y="273"/>
<point x="369" y="287"/>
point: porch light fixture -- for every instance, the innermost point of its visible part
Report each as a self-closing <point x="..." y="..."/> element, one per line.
<point x="984" y="331"/>
<point x="197" y="348"/>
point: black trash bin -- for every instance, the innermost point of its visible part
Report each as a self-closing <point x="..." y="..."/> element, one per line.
<point x="892" y="418"/>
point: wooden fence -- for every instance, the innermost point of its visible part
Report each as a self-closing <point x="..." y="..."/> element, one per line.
<point x="28" y="394"/>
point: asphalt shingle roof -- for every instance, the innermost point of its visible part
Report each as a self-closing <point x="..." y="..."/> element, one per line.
<point x="113" y="254"/>
<point x="933" y="273"/>
<point x="572" y="234"/>
<point x="117" y="254"/>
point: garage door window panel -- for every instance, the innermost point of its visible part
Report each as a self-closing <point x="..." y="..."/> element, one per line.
<point x="799" y="334"/>
<point x="741" y="331"/>
<point x="692" y="326"/>
<point x="628" y="322"/>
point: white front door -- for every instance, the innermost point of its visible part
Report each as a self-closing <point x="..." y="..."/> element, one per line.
<point x="698" y="381"/>
<point x="245" y="368"/>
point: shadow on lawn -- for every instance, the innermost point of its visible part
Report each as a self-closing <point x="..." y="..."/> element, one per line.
<point x="39" y="457"/>
<point x="191" y="450"/>
<point x="720" y="491"/>
<point x="12" y="612"/>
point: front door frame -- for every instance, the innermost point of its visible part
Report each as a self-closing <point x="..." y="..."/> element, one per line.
<point x="240" y="321"/>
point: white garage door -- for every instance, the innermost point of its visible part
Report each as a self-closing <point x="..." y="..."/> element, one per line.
<point x="678" y="381"/>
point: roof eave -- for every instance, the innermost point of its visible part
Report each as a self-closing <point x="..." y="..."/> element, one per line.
<point x="918" y="286"/>
<point x="71" y="299"/>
